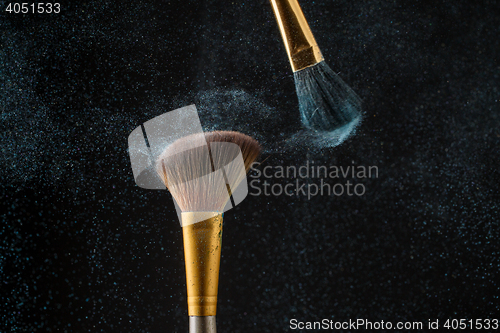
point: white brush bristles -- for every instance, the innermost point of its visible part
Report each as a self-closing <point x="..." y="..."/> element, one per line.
<point x="201" y="178"/>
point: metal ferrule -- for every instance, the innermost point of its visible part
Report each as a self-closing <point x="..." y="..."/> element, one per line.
<point x="302" y="49"/>
<point x="202" y="324"/>
<point x="202" y="250"/>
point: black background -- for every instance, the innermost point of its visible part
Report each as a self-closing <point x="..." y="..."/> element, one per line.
<point x="83" y="249"/>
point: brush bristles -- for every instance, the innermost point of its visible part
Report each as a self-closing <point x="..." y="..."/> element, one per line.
<point x="250" y="148"/>
<point x="326" y="102"/>
<point x="197" y="177"/>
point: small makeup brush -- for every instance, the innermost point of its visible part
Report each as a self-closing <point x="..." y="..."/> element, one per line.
<point x="326" y="102"/>
<point x="201" y="175"/>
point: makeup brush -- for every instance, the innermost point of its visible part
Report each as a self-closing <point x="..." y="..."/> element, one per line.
<point x="201" y="171"/>
<point x="326" y="102"/>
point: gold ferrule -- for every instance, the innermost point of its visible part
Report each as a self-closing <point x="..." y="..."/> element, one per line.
<point x="202" y="249"/>
<point x="302" y="49"/>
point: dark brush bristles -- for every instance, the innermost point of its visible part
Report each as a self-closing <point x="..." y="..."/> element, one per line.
<point x="188" y="172"/>
<point x="250" y="148"/>
<point x="326" y="102"/>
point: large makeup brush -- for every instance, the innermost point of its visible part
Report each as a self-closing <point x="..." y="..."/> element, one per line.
<point x="201" y="175"/>
<point x="326" y="102"/>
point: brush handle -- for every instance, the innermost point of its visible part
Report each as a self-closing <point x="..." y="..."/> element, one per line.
<point x="202" y="249"/>
<point x="301" y="47"/>
<point x="202" y="324"/>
